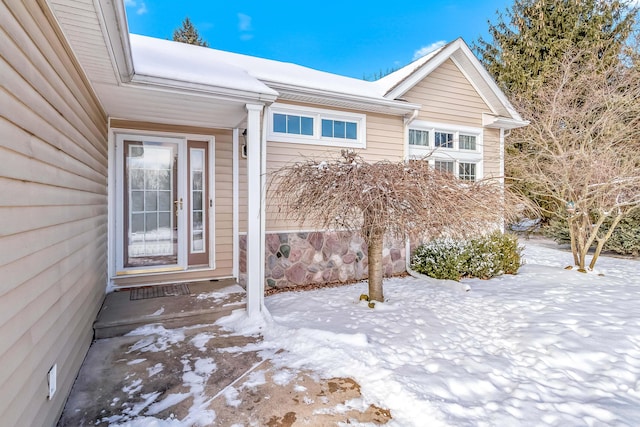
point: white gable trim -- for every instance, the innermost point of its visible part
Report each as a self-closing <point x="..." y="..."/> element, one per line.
<point x="486" y="79"/>
<point x="423" y="71"/>
<point x="477" y="76"/>
<point x="115" y="31"/>
<point x="473" y="84"/>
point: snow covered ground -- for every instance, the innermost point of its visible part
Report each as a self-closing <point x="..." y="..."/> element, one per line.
<point x="545" y="347"/>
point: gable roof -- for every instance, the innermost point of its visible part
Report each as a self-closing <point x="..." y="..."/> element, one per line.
<point x="401" y="81"/>
<point x="392" y="80"/>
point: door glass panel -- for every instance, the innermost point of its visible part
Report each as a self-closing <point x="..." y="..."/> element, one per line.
<point x="197" y="199"/>
<point x="151" y="236"/>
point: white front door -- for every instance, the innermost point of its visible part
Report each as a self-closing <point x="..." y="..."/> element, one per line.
<point x="163" y="204"/>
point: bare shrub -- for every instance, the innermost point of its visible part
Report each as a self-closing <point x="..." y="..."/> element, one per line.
<point x="580" y="156"/>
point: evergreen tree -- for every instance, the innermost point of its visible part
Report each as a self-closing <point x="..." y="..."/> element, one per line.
<point x="529" y="43"/>
<point x="531" y="38"/>
<point x="188" y="33"/>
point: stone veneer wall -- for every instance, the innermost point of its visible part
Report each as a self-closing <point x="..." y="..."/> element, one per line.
<point x="294" y="259"/>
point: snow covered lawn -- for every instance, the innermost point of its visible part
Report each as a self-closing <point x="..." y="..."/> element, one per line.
<point x="545" y="347"/>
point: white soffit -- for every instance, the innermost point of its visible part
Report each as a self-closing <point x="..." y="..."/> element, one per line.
<point x="132" y="102"/>
<point x="80" y="23"/>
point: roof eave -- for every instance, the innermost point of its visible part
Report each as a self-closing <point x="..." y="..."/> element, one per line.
<point x="421" y="72"/>
<point x="379" y="105"/>
<point x="113" y="20"/>
<point x="500" y="103"/>
<point x="498" y="122"/>
<point x="159" y="83"/>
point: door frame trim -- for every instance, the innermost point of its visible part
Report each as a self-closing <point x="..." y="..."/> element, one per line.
<point x="114" y="192"/>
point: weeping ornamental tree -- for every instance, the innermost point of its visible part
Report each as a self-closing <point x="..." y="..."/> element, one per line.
<point x="388" y="198"/>
<point x="581" y="151"/>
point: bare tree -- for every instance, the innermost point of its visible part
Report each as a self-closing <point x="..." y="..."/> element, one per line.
<point x="388" y="198"/>
<point x="580" y="155"/>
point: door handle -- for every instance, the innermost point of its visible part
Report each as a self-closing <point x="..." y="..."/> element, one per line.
<point x="178" y="204"/>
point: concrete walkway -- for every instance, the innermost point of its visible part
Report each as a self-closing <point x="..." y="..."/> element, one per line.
<point x="205" y="302"/>
<point x="176" y="367"/>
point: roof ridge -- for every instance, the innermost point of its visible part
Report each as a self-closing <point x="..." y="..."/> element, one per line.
<point x="392" y="80"/>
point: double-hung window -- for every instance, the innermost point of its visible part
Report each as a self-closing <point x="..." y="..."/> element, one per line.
<point x="307" y="125"/>
<point x="449" y="148"/>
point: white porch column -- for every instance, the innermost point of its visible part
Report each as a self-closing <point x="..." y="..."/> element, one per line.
<point x="255" y="228"/>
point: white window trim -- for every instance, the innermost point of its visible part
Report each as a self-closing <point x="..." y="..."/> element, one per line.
<point x="456" y="130"/>
<point x="318" y="114"/>
<point x="455" y="154"/>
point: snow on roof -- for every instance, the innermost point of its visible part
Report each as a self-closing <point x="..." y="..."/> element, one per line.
<point x="289" y="74"/>
<point x="182" y="62"/>
<point x="194" y="64"/>
<point x="391" y="80"/>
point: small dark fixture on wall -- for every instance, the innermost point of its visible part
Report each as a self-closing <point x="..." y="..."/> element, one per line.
<point x="243" y="149"/>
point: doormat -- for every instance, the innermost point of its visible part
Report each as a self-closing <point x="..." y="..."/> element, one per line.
<point x="158" y="291"/>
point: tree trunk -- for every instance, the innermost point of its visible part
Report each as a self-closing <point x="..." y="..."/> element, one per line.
<point x="573" y="237"/>
<point x="603" y="240"/>
<point x="376" y="238"/>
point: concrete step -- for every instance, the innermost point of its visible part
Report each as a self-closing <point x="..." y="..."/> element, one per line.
<point x="205" y="303"/>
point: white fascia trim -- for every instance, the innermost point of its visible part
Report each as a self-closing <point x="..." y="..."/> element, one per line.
<point x="498" y="122"/>
<point x="389" y="106"/>
<point x="439" y="59"/>
<point x="484" y="74"/>
<point x="222" y="93"/>
<point x="113" y="20"/>
<point x="474" y="84"/>
<point x="425" y="70"/>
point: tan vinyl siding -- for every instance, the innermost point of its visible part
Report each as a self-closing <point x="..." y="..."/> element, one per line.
<point x="491" y="153"/>
<point x="223" y="193"/>
<point x="385" y="141"/>
<point x="224" y="203"/>
<point x="447" y="97"/>
<point x="53" y="205"/>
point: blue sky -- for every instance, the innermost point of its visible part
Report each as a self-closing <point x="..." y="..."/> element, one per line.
<point x="351" y="38"/>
